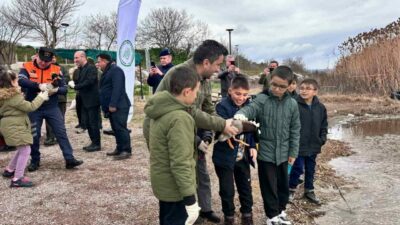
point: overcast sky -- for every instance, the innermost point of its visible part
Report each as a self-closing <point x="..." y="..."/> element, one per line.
<point x="309" y="29"/>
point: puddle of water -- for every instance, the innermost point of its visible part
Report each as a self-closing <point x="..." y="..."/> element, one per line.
<point x="364" y="129"/>
<point x="375" y="167"/>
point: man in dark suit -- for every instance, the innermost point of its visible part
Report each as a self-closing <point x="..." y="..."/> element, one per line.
<point x="115" y="104"/>
<point x="88" y="87"/>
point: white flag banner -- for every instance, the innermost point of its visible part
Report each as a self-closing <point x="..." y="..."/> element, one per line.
<point x="128" y="11"/>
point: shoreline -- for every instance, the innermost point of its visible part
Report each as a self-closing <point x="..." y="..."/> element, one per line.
<point x="353" y="110"/>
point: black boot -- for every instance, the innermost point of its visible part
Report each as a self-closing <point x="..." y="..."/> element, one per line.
<point x="72" y="163"/>
<point x="210" y="216"/>
<point x="113" y="153"/>
<point x="122" y="156"/>
<point x="50" y="141"/>
<point x="92" y="148"/>
<point x="33" y="166"/>
<point x="247" y="219"/>
<point x="310" y="196"/>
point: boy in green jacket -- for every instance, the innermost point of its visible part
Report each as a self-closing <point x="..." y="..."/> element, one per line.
<point x="172" y="149"/>
<point x="278" y="115"/>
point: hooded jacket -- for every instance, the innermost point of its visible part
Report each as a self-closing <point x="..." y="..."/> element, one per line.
<point x="279" y="126"/>
<point x="314" y="126"/>
<point x="204" y="106"/>
<point x="14" y="123"/>
<point x="172" y="148"/>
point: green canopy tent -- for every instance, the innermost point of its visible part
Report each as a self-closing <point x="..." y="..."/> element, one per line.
<point x="92" y="53"/>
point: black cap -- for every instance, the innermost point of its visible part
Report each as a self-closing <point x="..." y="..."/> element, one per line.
<point x="165" y="52"/>
<point x="46" y="54"/>
<point x="104" y="56"/>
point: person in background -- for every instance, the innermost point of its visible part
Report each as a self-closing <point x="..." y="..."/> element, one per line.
<point x="62" y="104"/>
<point x="293" y="86"/>
<point x="81" y="127"/>
<point x="227" y="75"/>
<point x="157" y="72"/>
<point x="265" y="75"/>
<point x="115" y="104"/>
<point x="88" y="87"/>
<point x="15" y="126"/>
<point x="314" y="129"/>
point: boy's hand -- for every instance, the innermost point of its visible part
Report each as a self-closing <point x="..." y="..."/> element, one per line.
<point x="253" y="154"/>
<point x="229" y="129"/>
<point x="291" y="160"/>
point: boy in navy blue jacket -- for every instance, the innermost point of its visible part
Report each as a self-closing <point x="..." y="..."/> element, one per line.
<point x="314" y="128"/>
<point x="232" y="159"/>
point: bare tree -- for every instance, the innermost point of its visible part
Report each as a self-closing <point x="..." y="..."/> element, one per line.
<point x="42" y="17"/>
<point x="101" y="31"/>
<point x="296" y="64"/>
<point x="10" y="34"/>
<point x="164" y="27"/>
<point x="95" y="29"/>
<point x="111" y="32"/>
<point x="198" y="32"/>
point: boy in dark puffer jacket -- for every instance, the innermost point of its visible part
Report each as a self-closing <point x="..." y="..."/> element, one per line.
<point x="233" y="165"/>
<point x="314" y="128"/>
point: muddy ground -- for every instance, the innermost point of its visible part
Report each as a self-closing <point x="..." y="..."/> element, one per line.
<point x="104" y="191"/>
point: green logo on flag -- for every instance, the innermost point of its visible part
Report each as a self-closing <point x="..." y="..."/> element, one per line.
<point x="126" y="53"/>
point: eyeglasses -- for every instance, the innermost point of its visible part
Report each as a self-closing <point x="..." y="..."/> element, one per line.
<point x="281" y="87"/>
<point x="307" y="89"/>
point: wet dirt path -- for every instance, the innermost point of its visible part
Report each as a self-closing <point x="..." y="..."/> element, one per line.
<point x="376" y="170"/>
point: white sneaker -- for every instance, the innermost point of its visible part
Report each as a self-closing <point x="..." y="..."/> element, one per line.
<point x="274" y="221"/>
<point x="283" y="215"/>
<point x="283" y="218"/>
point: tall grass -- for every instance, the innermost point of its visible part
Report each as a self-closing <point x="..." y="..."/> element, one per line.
<point x="369" y="62"/>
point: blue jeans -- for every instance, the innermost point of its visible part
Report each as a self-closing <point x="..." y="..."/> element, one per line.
<point x="308" y="163"/>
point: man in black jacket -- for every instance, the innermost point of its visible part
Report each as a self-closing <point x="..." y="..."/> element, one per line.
<point x="157" y="72"/>
<point x="62" y="104"/>
<point x="115" y="104"/>
<point x="88" y="87"/>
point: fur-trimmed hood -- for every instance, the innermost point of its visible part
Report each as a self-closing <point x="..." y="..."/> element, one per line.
<point x="7" y="93"/>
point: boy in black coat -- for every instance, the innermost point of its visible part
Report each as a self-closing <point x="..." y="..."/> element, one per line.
<point x="314" y="128"/>
<point x="232" y="159"/>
